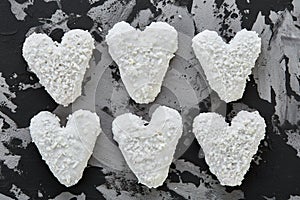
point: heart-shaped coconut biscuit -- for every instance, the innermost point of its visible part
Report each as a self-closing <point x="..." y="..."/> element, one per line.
<point x="227" y="66"/>
<point x="229" y="149"/>
<point x="66" y="150"/>
<point x="142" y="56"/>
<point x="149" y="149"/>
<point x="60" y="67"/>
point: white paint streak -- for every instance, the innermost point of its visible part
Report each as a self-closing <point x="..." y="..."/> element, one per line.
<point x="24" y="86"/>
<point x="3" y="197"/>
<point x="201" y="192"/>
<point x="6" y="95"/>
<point x="93" y="1"/>
<point x="128" y="189"/>
<point x="178" y="17"/>
<point x="58" y="20"/>
<point x="19" y="9"/>
<point x="68" y="195"/>
<point x="207" y="10"/>
<point x="142" y="19"/>
<point x="111" y="194"/>
<point x="269" y="198"/>
<point x="278" y="55"/>
<point x="292" y="197"/>
<point x="10" y="160"/>
<point x="18" y="193"/>
<point x="294" y="140"/>
<point x="111" y="12"/>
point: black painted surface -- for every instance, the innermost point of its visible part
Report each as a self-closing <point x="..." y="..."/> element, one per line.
<point x="278" y="175"/>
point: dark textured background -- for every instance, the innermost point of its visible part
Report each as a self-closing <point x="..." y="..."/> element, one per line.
<point x="277" y="176"/>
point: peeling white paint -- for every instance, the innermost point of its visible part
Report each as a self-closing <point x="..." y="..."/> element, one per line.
<point x="294" y="140"/>
<point x="178" y="17"/>
<point x="142" y="19"/>
<point x="292" y="197"/>
<point x="124" y="186"/>
<point x="10" y="160"/>
<point x="24" y="86"/>
<point x="18" y="193"/>
<point x="111" y="12"/>
<point x="3" y="197"/>
<point x="207" y="10"/>
<point x="19" y="9"/>
<point x="271" y="68"/>
<point x="6" y="95"/>
<point x="68" y="195"/>
<point x="58" y="20"/>
<point x="202" y="192"/>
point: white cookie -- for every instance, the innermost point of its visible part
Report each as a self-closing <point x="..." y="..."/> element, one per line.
<point x="143" y="57"/>
<point x="229" y="149"/>
<point x="227" y="66"/>
<point x="66" y="150"/>
<point x="149" y="149"/>
<point x="60" y="67"/>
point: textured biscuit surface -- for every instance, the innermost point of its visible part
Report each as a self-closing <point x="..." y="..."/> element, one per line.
<point x="66" y="150"/>
<point x="149" y="149"/>
<point x="142" y="56"/>
<point x="227" y="66"/>
<point x="229" y="149"/>
<point x="60" y="67"/>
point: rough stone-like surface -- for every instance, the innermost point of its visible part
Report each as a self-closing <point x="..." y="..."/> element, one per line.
<point x="66" y="150"/>
<point x="60" y="67"/>
<point x="227" y="66"/>
<point x="143" y="57"/>
<point x="229" y="149"/>
<point x="149" y="148"/>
